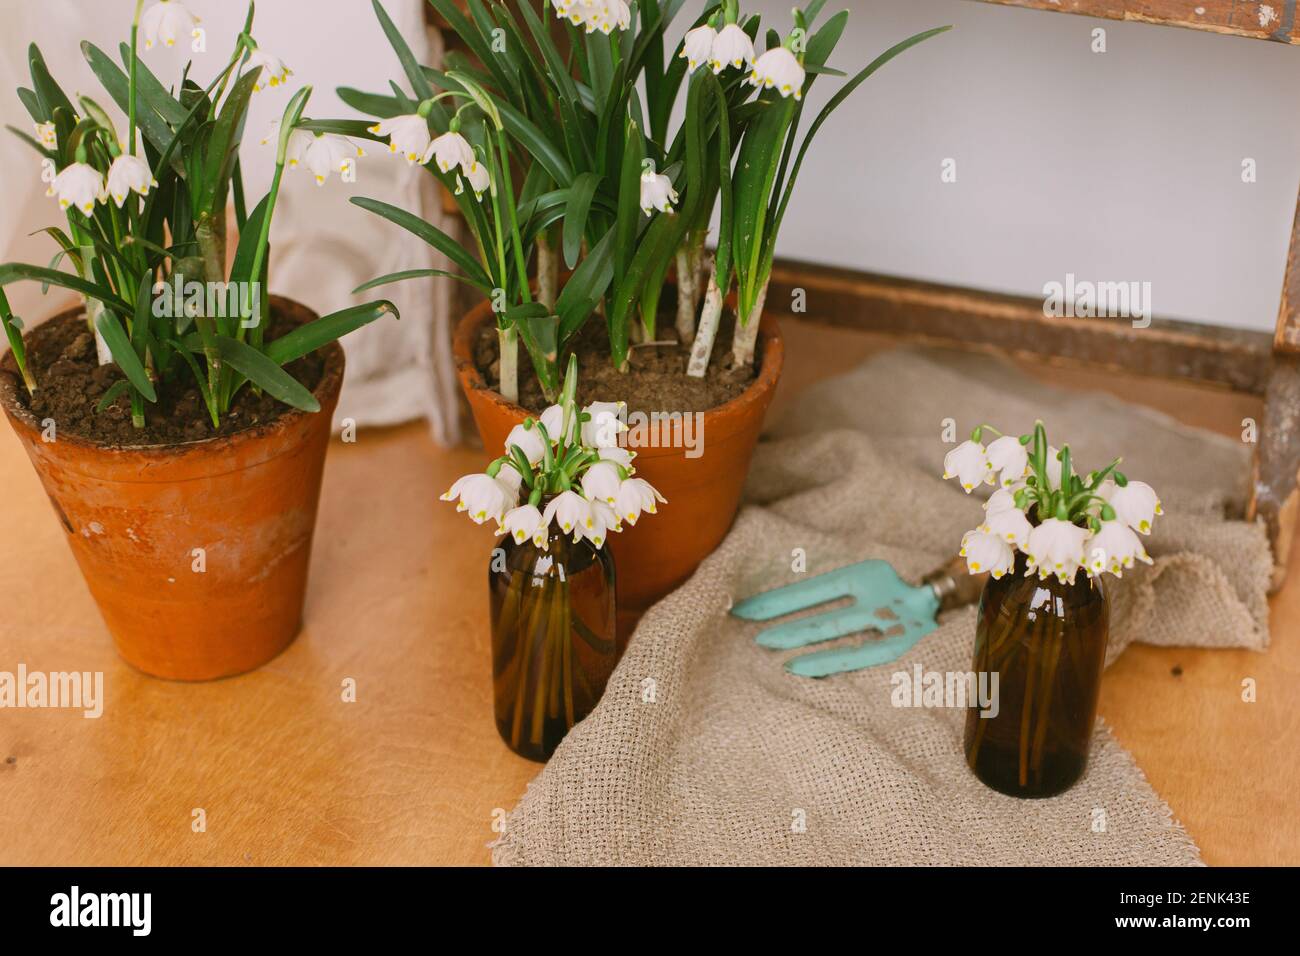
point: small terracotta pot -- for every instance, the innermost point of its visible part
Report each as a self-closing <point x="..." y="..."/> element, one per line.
<point x="135" y="516"/>
<point x="663" y="550"/>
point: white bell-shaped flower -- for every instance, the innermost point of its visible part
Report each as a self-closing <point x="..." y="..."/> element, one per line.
<point x="166" y="22"/>
<point x="325" y="153"/>
<point x="636" y="495"/>
<point x="271" y="69"/>
<point x="603" y="521"/>
<point x="522" y="523"/>
<point x="553" y="421"/>
<point x="408" y="136"/>
<point x="1009" y="524"/>
<point x="295" y="149"/>
<point x="129" y="174"/>
<point x="620" y="456"/>
<point x="578" y="12"/>
<point x="657" y="192"/>
<point x="607" y="16"/>
<point x="451" y="150"/>
<point x="529" y="441"/>
<point x="731" y="48"/>
<point x="601" y="482"/>
<point x="985" y="552"/>
<point x="1009" y="458"/>
<point x="969" y="464"/>
<point x="606" y="422"/>
<point x="1114" y="548"/>
<point x="571" y="512"/>
<point x="479" y="180"/>
<point x="482" y="497"/>
<point x="1136" y="504"/>
<point x="510" y="479"/>
<point x="46" y="135"/>
<point x="1056" y="547"/>
<point x="779" y="69"/>
<point x="1000" y="500"/>
<point x="697" y="48"/>
<point x="79" y="185"/>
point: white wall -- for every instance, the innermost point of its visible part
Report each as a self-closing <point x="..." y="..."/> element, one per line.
<point x="1117" y="166"/>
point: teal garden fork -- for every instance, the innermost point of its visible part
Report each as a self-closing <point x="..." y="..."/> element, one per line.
<point x="882" y="601"/>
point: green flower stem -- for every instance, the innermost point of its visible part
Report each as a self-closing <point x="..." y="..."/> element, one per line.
<point x="1062" y="511"/>
<point x="135" y="31"/>
<point x="292" y="114"/>
<point x="521" y="263"/>
<point x="244" y="45"/>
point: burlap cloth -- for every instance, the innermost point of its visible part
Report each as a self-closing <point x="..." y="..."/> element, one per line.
<point x="704" y="750"/>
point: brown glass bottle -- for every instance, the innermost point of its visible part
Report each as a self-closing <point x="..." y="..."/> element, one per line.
<point x="553" y="638"/>
<point x="1046" y="642"/>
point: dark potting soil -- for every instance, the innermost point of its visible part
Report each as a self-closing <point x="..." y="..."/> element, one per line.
<point x="656" y="380"/>
<point x="70" y="383"/>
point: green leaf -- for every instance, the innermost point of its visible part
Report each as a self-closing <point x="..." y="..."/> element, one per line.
<point x="473" y="39"/>
<point x="223" y="146"/>
<point x="357" y="129"/>
<point x="16" y="345"/>
<point x="241" y="267"/>
<point x="430" y="234"/>
<point x="151" y="90"/>
<point x="31" y="141"/>
<point x="585" y="288"/>
<point x="410" y="66"/>
<point x="110" y="329"/>
<point x="756" y="170"/>
<point x="575" y="215"/>
<point x="722" y="259"/>
<point x="629" y="199"/>
<point x="306" y="339"/>
<point x="418" y="274"/>
<point x="372" y="104"/>
<point x="118" y="85"/>
<point x="265" y="373"/>
<point x="48" y="92"/>
<point x="16" y="271"/>
<point x="32" y="103"/>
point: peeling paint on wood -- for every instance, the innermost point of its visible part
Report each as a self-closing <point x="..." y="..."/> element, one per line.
<point x="1265" y="21"/>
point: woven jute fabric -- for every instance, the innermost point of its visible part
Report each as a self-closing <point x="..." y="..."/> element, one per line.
<point x="704" y="750"/>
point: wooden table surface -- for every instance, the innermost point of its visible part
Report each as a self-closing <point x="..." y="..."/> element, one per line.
<point x="412" y="772"/>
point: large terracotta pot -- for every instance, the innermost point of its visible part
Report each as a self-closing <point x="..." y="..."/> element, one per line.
<point x="663" y="550"/>
<point x="134" y="517"/>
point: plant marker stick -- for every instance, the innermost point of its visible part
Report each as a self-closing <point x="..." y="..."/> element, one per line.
<point x="547" y="272"/>
<point x="685" y="294"/>
<point x="707" y="330"/>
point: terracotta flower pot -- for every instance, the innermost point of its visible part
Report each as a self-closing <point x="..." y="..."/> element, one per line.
<point x="135" y="516"/>
<point x="663" y="550"/>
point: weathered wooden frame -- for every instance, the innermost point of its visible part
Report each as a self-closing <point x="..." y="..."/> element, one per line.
<point x="1251" y="362"/>
<point x="1231" y="17"/>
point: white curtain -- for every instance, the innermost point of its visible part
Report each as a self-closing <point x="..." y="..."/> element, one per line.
<point x="322" y="245"/>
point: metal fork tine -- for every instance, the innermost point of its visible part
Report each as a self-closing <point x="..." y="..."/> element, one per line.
<point x="818" y="628"/>
<point x="802" y="595"/>
<point x="870" y="653"/>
